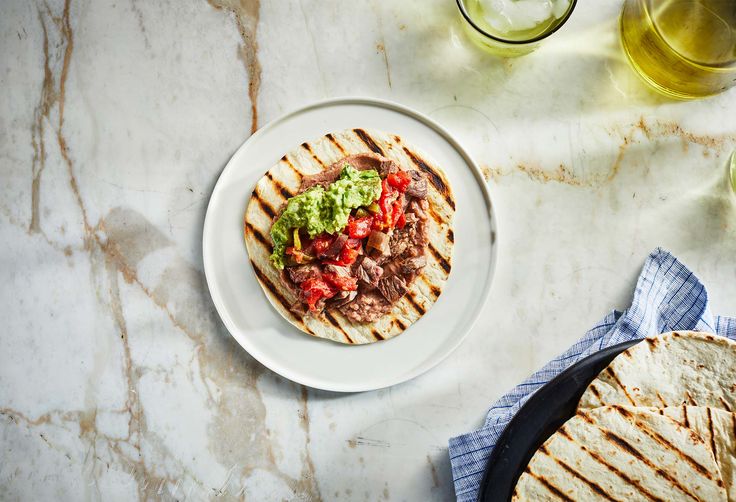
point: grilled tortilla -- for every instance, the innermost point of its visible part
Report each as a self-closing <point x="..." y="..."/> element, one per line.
<point x="685" y="367"/>
<point x="283" y="181"/>
<point x="614" y="453"/>
<point x="717" y="428"/>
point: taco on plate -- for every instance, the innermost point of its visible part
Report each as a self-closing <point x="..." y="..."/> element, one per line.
<point x="350" y="235"/>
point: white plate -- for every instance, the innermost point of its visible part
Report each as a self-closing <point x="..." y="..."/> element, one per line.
<point x="318" y="363"/>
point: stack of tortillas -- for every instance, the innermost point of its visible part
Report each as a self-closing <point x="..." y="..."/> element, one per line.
<point x="656" y="425"/>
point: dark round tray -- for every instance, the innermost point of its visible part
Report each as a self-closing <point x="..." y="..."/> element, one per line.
<point x="539" y="418"/>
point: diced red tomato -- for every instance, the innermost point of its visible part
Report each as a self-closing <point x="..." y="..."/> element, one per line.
<point x="297" y="255"/>
<point x="397" y="210"/>
<point x="354" y="243"/>
<point x="314" y="290"/>
<point x="347" y="256"/>
<point x="385" y="203"/>
<point x="401" y="223"/>
<point x="399" y="180"/>
<point x="378" y="221"/>
<point x="321" y="243"/>
<point x="341" y="283"/>
<point x="359" y="228"/>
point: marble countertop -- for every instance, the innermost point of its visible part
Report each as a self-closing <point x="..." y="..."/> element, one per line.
<point x="117" y="379"/>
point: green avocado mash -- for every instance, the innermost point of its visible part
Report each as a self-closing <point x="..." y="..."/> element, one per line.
<point x="318" y="210"/>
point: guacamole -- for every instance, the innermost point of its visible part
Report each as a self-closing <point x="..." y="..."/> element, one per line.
<point x="324" y="210"/>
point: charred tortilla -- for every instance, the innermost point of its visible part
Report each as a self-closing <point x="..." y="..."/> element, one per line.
<point x="672" y="369"/>
<point x="284" y="180"/>
<point x="616" y="453"/>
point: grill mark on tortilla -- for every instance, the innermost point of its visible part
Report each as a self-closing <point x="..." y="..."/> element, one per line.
<point x="592" y="484"/>
<point x="651" y="341"/>
<point x="610" y="467"/>
<point x="293" y="168"/>
<point x="400" y="324"/>
<point x="419" y="309"/>
<point x="376" y="334"/>
<point x="436" y="217"/>
<point x="684" y="412"/>
<point x="336" y="324"/>
<point x="434" y="290"/>
<point x="668" y="445"/>
<point x="663" y="441"/>
<point x="334" y="142"/>
<point x="613" y="375"/>
<point x="314" y="156"/>
<point x="713" y="446"/>
<point x="275" y="292"/>
<point x="659" y="396"/>
<point x="265" y="206"/>
<point x="365" y="138"/>
<point x="549" y="486"/>
<point x="595" y="392"/>
<point x="586" y="417"/>
<point x="733" y="423"/>
<point x="258" y="235"/>
<point x="434" y="178"/>
<point x="724" y="403"/>
<point x="690" y="399"/>
<point x="450" y="235"/>
<point x="627" y="447"/>
<point x="279" y="187"/>
<point x="440" y="259"/>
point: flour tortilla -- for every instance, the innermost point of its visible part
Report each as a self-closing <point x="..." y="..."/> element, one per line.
<point x="283" y="181"/>
<point x="614" y="453"/>
<point x="681" y="367"/>
<point x="717" y="428"/>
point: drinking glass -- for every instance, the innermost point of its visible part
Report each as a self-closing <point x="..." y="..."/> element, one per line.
<point x="508" y="42"/>
<point x="682" y="48"/>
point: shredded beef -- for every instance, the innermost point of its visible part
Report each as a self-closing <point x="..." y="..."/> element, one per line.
<point x="413" y="264"/>
<point x="335" y="247"/>
<point x="301" y="273"/>
<point x="379" y="241"/>
<point x="338" y="270"/>
<point x="299" y="308"/>
<point x="342" y="298"/>
<point x="369" y="272"/>
<point x="323" y="178"/>
<point x="392" y="288"/>
<point x="419" y="207"/>
<point x="361" y="162"/>
<point x="418" y="186"/>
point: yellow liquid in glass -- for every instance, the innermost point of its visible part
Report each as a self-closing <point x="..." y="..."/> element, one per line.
<point x="683" y="48"/>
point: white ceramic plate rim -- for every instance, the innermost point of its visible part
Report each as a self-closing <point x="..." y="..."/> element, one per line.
<point x="263" y="358"/>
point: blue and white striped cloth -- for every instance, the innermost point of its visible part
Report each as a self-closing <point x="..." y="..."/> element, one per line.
<point x="668" y="297"/>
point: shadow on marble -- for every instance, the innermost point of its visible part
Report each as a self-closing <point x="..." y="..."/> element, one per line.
<point x="589" y="57"/>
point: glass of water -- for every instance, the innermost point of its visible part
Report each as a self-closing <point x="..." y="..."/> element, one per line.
<point x="512" y="27"/>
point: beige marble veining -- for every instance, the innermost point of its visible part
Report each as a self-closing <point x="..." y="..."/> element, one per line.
<point x="118" y="381"/>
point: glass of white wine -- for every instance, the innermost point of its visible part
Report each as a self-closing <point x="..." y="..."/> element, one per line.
<point x="682" y="48"/>
<point x="513" y="27"/>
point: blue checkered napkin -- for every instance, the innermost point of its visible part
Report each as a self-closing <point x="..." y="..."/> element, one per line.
<point x="668" y="297"/>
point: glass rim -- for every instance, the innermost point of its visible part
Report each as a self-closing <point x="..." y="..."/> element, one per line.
<point x="469" y="20"/>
